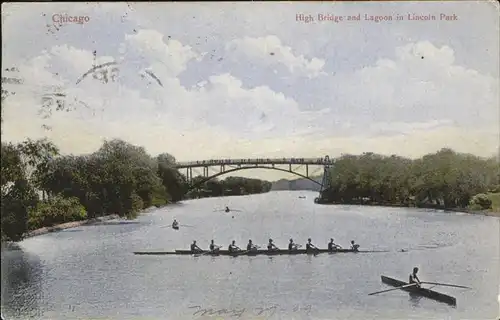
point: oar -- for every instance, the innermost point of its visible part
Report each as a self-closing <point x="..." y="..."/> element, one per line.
<point x="446" y="285"/>
<point x="199" y="254"/>
<point x="405" y="286"/>
<point x="316" y="251"/>
<point x="186" y="225"/>
<point x="240" y="252"/>
<point x="208" y="252"/>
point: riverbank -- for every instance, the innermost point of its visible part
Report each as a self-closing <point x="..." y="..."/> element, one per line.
<point x="68" y="225"/>
<point x="482" y="213"/>
<point x="495" y="212"/>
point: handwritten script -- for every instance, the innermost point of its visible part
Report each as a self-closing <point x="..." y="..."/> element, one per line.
<point x="267" y="311"/>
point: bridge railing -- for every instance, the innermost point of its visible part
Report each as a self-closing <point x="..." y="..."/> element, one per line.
<point x="214" y="162"/>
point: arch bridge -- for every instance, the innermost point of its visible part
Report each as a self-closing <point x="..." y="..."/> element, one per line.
<point x="295" y="166"/>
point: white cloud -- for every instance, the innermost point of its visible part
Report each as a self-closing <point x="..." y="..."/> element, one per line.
<point x="422" y="84"/>
<point x="171" y="56"/>
<point x="269" y="50"/>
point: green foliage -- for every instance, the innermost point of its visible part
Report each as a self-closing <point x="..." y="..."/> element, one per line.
<point x="173" y="181"/>
<point x="445" y="179"/>
<point x="481" y="202"/>
<point x="495" y="201"/>
<point x="16" y="204"/>
<point x="55" y="211"/>
<point x="119" y="178"/>
<point x="229" y="187"/>
<point x="111" y="180"/>
<point x="17" y="194"/>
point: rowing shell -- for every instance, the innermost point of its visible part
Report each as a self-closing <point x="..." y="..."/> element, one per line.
<point x="251" y="253"/>
<point x="421" y="291"/>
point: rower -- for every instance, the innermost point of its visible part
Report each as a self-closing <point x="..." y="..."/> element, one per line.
<point x="414" y="278"/>
<point x="232" y="247"/>
<point x="292" y="246"/>
<point x="213" y="247"/>
<point x="251" y="246"/>
<point x="310" y="246"/>
<point x="175" y="224"/>
<point x="354" y="246"/>
<point x="271" y="246"/>
<point x="195" y="248"/>
<point x="227" y="209"/>
<point x="333" y="246"/>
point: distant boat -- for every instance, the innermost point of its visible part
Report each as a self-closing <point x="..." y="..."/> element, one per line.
<point x="302" y="197"/>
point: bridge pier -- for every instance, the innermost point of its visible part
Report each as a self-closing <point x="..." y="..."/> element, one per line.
<point x="326" y="183"/>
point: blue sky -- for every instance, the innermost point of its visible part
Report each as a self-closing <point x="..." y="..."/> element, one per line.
<point x="243" y="80"/>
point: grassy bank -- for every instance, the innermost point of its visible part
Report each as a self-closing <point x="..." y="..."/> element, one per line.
<point x="495" y="199"/>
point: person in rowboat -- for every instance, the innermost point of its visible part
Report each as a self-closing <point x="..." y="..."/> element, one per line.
<point x="271" y="246"/>
<point x="175" y="224"/>
<point x="227" y="209"/>
<point x="354" y="246"/>
<point x="213" y="247"/>
<point x="310" y="246"/>
<point x="251" y="246"/>
<point x="195" y="248"/>
<point x="333" y="246"/>
<point x="414" y="278"/>
<point x="232" y="247"/>
<point x="292" y="246"/>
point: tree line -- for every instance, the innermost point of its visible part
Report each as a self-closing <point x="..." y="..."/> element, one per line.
<point x="445" y="179"/>
<point x="231" y="186"/>
<point x="40" y="187"/>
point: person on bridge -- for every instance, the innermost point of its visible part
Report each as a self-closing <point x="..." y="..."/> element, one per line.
<point x="213" y="247"/>
<point x="271" y="246"/>
<point x="354" y="246"/>
<point x="333" y="246"/>
<point x="251" y="246"/>
<point x="232" y="247"/>
<point x="195" y="248"/>
<point x="175" y="225"/>
<point x="414" y="278"/>
<point x="292" y="246"/>
<point x="310" y="246"/>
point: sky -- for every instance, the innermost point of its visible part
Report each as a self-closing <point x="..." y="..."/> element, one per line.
<point x="254" y="80"/>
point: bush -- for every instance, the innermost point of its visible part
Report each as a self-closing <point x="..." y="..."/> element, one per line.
<point x="480" y="202"/>
<point x="495" y="189"/>
<point x="55" y="211"/>
<point x="137" y="205"/>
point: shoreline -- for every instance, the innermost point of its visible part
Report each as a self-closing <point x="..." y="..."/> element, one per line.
<point x="80" y="223"/>
<point x="68" y="225"/>
<point x="461" y="210"/>
<point x="72" y="224"/>
<point x="481" y="213"/>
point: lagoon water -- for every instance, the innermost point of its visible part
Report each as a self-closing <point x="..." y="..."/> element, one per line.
<point x="91" y="273"/>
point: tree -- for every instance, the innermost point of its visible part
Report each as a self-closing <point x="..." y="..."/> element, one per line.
<point x="173" y="181"/>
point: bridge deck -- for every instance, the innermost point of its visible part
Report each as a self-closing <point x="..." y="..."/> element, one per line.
<point x="261" y="161"/>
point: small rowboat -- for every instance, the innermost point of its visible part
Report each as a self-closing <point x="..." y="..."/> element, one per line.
<point x="250" y="253"/>
<point x="420" y="291"/>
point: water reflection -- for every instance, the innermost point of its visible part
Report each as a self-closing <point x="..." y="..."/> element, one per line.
<point x="21" y="284"/>
<point x="414" y="299"/>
